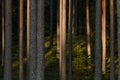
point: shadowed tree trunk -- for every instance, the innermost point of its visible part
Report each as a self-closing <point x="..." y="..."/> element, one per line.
<point x="104" y="36"/>
<point x="58" y="28"/>
<point x="75" y="15"/>
<point x="51" y="23"/>
<point x="3" y="31"/>
<point x="112" y="72"/>
<point x="62" y="39"/>
<point x="118" y="28"/>
<point x="88" y="33"/>
<point x="33" y="41"/>
<point x="8" y="41"/>
<point x="21" y="40"/>
<point x="40" y="40"/>
<point x="70" y="40"/>
<point x="98" y="46"/>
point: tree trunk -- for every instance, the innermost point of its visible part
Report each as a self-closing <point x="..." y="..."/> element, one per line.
<point x="40" y="40"/>
<point x="118" y="26"/>
<point x="70" y="40"/>
<point x="58" y="28"/>
<point x="33" y="41"/>
<point x="3" y="37"/>
<point x="112" y="72"/>
<point x="88" y="33"/>
<point x="75" y="15"/>
<point x="62" y="39"/>
<point x="98" y="46"/>
<point x="104" y="36"/>
<point x="51" y="23"/>
<point x="21" y="40"/>
<point x="8" y="41"/>
<point x="28" y="26"/>
<point x="28" y="36"/>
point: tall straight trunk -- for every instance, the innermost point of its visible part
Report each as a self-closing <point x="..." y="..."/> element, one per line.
<point x="70" y="40"/>
<point x="73" y="17"/>
<point x="3" y="22"/>
<point x="62" y="39"/>
<point x="118" y="28"/>
<point x="21" y="40"/>
<point x="98" y="41"/>
<point x="28" y="26"/>
<point x="8" y="41"/>
<point x="51" y="23"/>
<point x="58" y="28"/>
<point x="40" y="40"/>
<point x="76" y="15"/>
<point x="88" y="33"/>
<point x="28" y="36"/>
<point x="33" y="41"/>
<point x="104" y="36"/>
<point x="112" y="72"/>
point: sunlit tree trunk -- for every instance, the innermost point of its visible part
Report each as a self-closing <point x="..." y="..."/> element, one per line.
<point x="70" y="40"/>
<point x="8" y="41"/>
<point x="118" y="28"/>
<point x="21" y="40"/>
<point x="62" y="39"/>
<point x="3" y="32"/>
<point x="33" y="41"/>
<point x="40" y="40"/>
<point x="51" y="23"/>
<point x="104" y="36"/>
<point x="28" y="26"/>
<point x="112" y="72"/>
<point x="98" y="46"/>
<point x="28" y="36"/>
<point x="88" y="33"/>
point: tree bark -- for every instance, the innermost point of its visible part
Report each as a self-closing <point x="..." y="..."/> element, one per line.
<point x="8" y="41"/>
<point x="98" y="41"/>
<point x="40" y="40"/>
<point x="51" y="23"/>
<point x="3" y="31"/>
<point x="28" y="37"/>
<point x="104" y="36"/>
<point x="33" y="41"/>
<point x="58" y="28"/>
<point x="21" y="40"/>
<point x="70" y="40"/>
<point x="75" y="15"/>
<point x="62" y="39"/>
<point x="112" y="72"/>
<point x="118" y="28"/>
<point x="88" y="33"/>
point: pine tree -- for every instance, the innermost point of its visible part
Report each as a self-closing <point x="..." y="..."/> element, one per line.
<point x="21" y="40"/>
<point x="112" y="72"/>
<point x="104" y="36"/>
<point x="70" y="40"/>
<point x="98" y="46"/>
<point x="33" y="41"/>
<point x="62" y="39"/>
<point x="8" y="41"/>
<point x="118" y="28"/>
<point x="40" y="40"/>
